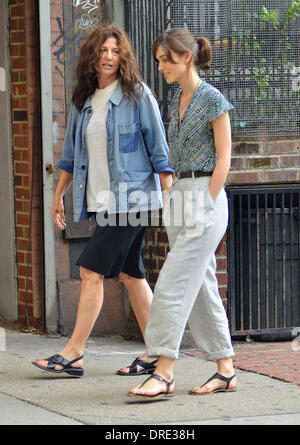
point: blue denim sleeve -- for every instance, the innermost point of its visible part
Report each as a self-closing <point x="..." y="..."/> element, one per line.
<point x="66" y="165"/>
<point x="67" y="161"/>
<point x="154" y="132"/>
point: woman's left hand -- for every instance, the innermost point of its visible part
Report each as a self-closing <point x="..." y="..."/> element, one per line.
<point x="166" y="179"/>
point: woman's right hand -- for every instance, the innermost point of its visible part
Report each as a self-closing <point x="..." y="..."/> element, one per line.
<point x="58" y="213"/>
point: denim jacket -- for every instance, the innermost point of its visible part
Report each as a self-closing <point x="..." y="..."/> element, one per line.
<point x="136" y="152"/>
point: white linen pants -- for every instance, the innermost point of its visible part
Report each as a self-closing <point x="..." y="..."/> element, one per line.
<point x="187" y="287"/>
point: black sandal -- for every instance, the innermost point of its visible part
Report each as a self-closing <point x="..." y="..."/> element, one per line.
<point x="159" y="395"/>
<point x="219" y="377"/>
<point x="60" y="360"/>
<point x="149" y="367"/>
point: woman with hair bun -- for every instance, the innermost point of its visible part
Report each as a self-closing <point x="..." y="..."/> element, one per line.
<point x="115" y="153"/>
<point x="195" y="215"/>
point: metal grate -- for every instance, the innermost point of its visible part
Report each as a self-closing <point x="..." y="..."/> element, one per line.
<point x="255" y="65"/>
<point x="144" y="21"/>
<point x="264" y="258"/>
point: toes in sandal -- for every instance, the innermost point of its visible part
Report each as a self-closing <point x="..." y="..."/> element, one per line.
<point x="66" y="364"/>
<point x="214" y="377"/>
<point x="148" y="367"/>
<point x="157" y="396"/>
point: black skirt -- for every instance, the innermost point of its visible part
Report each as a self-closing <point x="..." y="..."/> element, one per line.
<point x="116" y="247"/>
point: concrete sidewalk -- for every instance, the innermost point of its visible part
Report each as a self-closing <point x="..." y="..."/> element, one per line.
<point x="29" y="396"/>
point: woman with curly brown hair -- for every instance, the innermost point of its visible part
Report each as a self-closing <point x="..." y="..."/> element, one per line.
<point x="116" y="155"/>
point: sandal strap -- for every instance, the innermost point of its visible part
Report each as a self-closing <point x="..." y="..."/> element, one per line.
<point x="76" y="360"/>
<point x="220" y="377"/>
<point x="160" y="379"/>
<point x="133" y="363"/>
<point x="58" y="359"/>
<point x="137" y="362"/>
<point x="146" y="365"/>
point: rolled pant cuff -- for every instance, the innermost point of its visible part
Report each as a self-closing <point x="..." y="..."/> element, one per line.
<point x="225" y="353"/>
<point x="165" y="352"/>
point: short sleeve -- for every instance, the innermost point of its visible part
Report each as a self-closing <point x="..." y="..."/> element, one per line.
<point x="218" y="105"/>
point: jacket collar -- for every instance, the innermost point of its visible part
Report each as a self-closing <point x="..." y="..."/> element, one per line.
<point x="115" y="98"/>
<point x="117" y="95"/>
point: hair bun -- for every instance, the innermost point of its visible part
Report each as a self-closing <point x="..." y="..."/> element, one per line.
<point x="204" y="53"/>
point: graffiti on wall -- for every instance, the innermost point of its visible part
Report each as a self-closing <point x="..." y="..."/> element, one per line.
<point x="65" y="43"/>
<point x="71" y="37"/>
<point x="87" y="21"/>
<point x="85" y="4"/>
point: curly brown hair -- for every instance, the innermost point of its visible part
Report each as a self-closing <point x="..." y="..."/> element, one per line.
<point x="86" y="71"/>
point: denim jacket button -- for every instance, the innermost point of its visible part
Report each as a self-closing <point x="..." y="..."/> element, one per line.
<point x="81" y="186"/>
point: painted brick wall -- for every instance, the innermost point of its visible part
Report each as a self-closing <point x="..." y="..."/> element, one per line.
<point x="26" y="155"/>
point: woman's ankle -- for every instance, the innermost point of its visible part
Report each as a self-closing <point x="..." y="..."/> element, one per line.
<point x="225" y="367"/>
<point x="165" y="368"/>
<point x="74" y="349"/>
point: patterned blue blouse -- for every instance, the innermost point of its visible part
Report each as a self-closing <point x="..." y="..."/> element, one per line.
<point x="192" y="142"/>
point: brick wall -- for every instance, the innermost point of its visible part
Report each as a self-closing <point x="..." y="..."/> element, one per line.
<point x="27" y="157"/>
<point x="59" y="124"/>
<point x="157" y="247"/>
<point x="262" y="161"/>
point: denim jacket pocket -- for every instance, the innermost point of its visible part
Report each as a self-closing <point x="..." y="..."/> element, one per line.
<point x="128" y="138"/>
